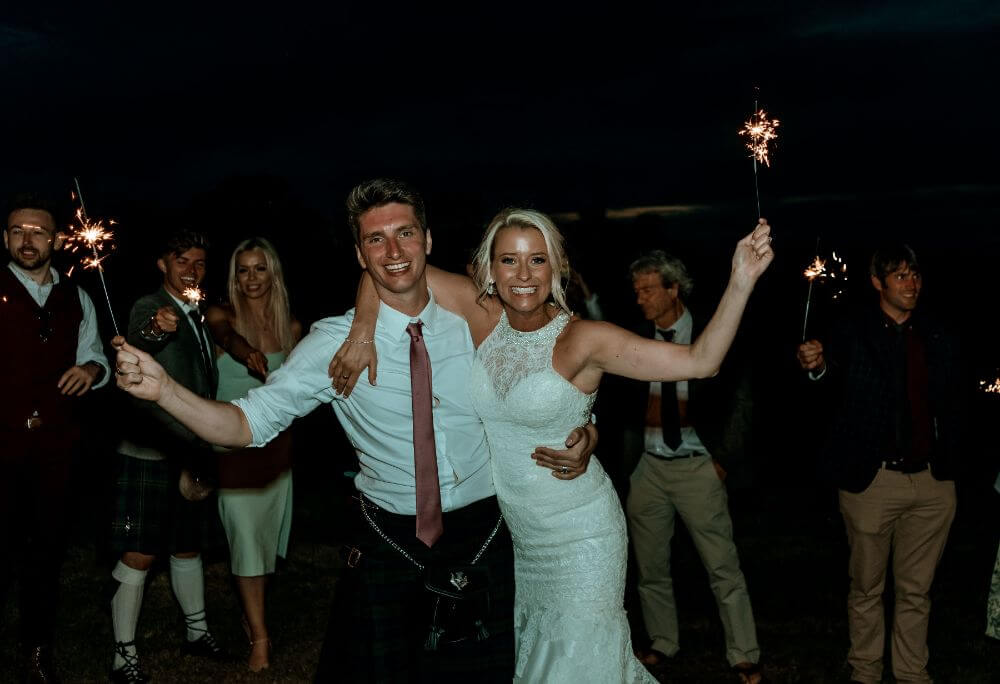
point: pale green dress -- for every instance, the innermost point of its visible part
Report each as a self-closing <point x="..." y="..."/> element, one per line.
<point x="257" y="521"/>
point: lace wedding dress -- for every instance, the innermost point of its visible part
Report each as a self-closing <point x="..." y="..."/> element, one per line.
<point x="569" y="536"/>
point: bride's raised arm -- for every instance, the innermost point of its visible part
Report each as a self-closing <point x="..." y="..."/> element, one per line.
<point x="605" y="348"/>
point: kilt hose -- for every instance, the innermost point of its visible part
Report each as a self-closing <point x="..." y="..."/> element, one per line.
<point x="151" y="516"/>
<point x="381" y="610"/>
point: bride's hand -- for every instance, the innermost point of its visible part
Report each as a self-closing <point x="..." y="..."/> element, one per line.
<point x="753" y="255"/>
<point x="347" y="364"/>
<point x="571" y="462"/>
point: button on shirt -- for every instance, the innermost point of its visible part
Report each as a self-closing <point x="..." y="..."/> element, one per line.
<point x="379" y="420"/>
<point x="690" y="443"/>
<point x="88" y="345"/>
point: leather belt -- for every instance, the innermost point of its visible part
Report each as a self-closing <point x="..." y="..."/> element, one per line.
<point x="904" y="467"/>
<point x="696" y="454"/>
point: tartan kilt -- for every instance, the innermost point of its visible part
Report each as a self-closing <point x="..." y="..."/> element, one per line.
<point x="381" y="610"/>
<point x="151" y="517"/>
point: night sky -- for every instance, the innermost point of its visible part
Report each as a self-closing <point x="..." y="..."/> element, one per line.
<point x="561" y="107"/>
<point x="245" y="121"/>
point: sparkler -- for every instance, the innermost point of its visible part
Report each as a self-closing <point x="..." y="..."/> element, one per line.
<point x="193" y="295"/>
<point x="992" y="388"/>
<point x="759" y="131"/>
<point x="817" y="270"/>
<point x="93" y="235"/>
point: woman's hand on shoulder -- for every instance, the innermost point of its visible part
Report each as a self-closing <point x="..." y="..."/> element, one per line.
<point x="347" y="364"/>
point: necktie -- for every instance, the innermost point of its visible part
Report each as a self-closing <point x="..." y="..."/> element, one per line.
<point x="203" y="343"/>
<point x="670" y="418"/>
<point x="429" y="524"/>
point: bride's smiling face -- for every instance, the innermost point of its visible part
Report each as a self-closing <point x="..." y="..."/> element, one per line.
<point x="521" y="269"/>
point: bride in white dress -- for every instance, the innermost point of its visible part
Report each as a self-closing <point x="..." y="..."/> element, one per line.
<point x="535" y="378"/>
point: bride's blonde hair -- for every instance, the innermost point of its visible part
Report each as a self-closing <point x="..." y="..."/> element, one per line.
<point x="523" y="218"/>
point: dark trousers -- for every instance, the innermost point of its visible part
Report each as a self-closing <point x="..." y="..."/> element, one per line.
<point x="381" y="611"/>
<point x="36" y="467"/>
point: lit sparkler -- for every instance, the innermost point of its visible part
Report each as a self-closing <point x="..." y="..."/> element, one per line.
<point x="193" y="295"/>
<point x="991" y="388"/>
<point x="759" y="131"/>
<point x="92" y="235"/>
<point x="818" y="270"/>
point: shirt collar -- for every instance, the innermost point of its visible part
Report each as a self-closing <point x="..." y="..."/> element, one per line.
<point x="682" y="326"/>
<point x="394" y="322"/>
<point x="27" y="280"/>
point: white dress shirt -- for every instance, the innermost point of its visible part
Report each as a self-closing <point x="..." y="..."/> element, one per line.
<point x="690" y="442"/>
<point x="379" y="420"/>
<point x="88" y="344"/>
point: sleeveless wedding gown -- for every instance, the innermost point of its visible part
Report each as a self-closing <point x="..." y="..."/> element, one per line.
<point x="569" y="536"/>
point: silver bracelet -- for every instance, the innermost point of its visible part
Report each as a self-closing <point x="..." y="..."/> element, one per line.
<point x="349" y="340"/>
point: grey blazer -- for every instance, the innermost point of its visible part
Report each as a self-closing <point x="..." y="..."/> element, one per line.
<point x="180" y="354"/>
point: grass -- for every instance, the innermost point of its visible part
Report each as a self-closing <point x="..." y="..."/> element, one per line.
<point x="792" y="549"/>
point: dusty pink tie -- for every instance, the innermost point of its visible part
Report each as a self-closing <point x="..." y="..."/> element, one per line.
<point x="429" y="525"/>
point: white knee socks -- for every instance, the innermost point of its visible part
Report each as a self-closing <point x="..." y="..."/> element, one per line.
<point x="188" y="581"/>
<point x="125" y="606"/>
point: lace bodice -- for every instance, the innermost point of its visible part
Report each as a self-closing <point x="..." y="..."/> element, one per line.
<point x="525" y="403"/>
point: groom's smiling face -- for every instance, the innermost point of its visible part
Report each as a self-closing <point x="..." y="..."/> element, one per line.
<point x="393" y="247"/>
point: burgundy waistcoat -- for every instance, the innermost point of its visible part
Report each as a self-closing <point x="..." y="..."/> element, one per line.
<point x="37" y="345"/>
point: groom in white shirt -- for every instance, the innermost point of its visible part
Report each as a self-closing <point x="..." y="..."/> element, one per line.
<point x="382" y="615"/>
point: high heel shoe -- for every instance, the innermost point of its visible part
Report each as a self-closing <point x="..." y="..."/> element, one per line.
<point x="254" y="662"/>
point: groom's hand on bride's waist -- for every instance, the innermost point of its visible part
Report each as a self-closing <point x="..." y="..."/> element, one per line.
<point x="572" y="461"/>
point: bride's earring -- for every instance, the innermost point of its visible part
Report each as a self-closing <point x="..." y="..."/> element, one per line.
<point x="490" y="289"/>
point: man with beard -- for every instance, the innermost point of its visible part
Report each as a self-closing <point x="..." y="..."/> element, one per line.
<point x="894" y="374"/>
<point x="51" y="357"/>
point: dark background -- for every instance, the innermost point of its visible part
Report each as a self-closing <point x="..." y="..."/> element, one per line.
<point x="243" y="122"/>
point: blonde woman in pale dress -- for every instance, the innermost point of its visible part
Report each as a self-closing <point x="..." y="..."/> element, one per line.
<point x="254" y="333"/>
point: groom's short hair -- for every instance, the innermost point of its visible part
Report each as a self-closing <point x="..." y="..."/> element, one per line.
<point x="379" y="192"/>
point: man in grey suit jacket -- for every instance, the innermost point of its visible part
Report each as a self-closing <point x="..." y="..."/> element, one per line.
<point x="158" y="460"/>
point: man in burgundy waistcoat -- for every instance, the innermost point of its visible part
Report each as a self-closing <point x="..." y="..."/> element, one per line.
<point x="50" y="355"/>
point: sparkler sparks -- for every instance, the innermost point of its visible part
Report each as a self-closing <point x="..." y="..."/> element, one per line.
<point x="817" y="270"/>
<point x="193" y="295"/>
<point x="93" y="235"/>
<point x="992" y="388"/>
<point x="90" y="235"/>
<point x="760" y="131"/>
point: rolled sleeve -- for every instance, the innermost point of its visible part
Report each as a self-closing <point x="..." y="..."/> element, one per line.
<point x="88" y="347"/>
<point x="294" y="390"/>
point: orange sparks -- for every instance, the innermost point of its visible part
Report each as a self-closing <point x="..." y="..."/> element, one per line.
<point x="760" y="131"/>
<point x="815" y="270"/>
<point x="992" y="388"/>
<point x="193" y="295"/>
<point x="91" y="235"/>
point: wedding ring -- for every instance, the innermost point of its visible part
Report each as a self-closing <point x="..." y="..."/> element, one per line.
<point x="119" y="371"/>
<point x="345" y="376"/>
<point x="564" y="470"/>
